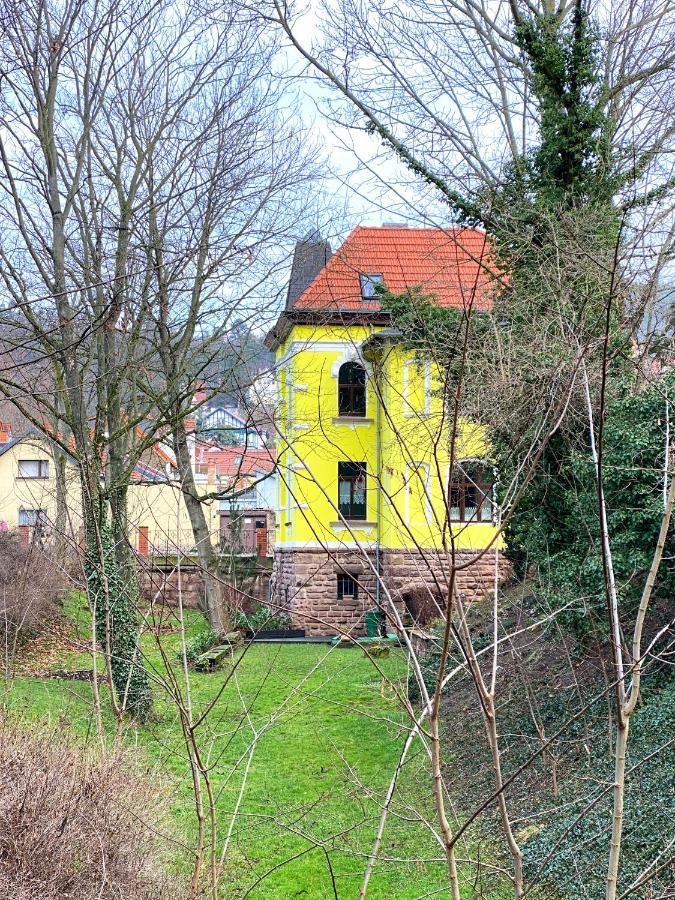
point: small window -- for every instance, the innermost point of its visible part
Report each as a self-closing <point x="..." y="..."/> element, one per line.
<point x="33" y="518"/>
<point x="369" y="283"/>
<point x="33" y="468"/>
<point x="471" y="493"/>
<point x="352" y="490"/>
<point x="351" y="390"/>
<point x="347" y="586"/>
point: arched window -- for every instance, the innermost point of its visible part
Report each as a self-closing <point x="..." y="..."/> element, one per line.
<point x="351" y="390"/>
<point x="471" y="492"/>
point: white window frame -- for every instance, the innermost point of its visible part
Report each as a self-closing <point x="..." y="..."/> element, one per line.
<point x="368" y="282"/>
<point x="42" y="466"/>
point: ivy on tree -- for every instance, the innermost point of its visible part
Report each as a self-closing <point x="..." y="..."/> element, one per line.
<point x="112" y="599"/>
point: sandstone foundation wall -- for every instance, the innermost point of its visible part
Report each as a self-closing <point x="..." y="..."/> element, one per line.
<point x="304" y="582"/>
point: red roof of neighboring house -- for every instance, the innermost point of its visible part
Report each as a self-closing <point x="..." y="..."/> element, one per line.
<point x="451" y="263"/>
<point x="234" y="461"/>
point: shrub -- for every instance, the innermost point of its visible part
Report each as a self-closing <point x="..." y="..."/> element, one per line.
<point x="556" y="526"/>
<point x="74" y="824"/>
<point x="261" y="619"/>
<point x="29" y="588"/>
<point x="576" y="834"/>
<point x="200" y="643"/>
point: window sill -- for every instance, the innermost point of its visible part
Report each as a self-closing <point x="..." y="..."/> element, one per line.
<point x="353" y="524"/>
<point x="352" y="420"/>
<point x="471" y="522"/>
<point x="32" y="477"/>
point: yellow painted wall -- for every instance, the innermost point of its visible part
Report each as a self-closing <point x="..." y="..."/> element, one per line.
<point x="406" y="503"/>
<point x="18" y="493"/>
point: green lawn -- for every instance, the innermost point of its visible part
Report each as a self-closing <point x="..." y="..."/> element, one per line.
<point x="328" y="743"/>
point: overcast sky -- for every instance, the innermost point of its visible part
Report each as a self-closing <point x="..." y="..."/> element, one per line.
<point x="364" y="184"/>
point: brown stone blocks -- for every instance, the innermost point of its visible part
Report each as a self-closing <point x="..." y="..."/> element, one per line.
<point x="305" y="581"/>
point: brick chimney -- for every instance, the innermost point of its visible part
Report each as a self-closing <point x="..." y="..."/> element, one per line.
<point x="309" y="257"/>
<point x="190" y="423"/>
<point x="5" y="433"/>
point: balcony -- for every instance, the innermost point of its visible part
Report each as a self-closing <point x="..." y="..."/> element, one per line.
<point x="247" y="538"/>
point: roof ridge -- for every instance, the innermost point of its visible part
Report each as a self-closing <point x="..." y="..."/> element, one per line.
<point x="428" y="228"/>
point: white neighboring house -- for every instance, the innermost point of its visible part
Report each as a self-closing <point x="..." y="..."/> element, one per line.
<point x="262" y="495"/>
<point x="245" y="480"/>
<point x="228" y="426"/>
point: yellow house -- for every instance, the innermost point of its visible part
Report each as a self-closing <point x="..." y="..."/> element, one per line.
<point x="369" y="514"/>
<point x="28" y="497"/>
<point x="159" y="524"/>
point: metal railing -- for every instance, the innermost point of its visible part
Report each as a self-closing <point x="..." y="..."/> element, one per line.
<point x="181" y="542"/>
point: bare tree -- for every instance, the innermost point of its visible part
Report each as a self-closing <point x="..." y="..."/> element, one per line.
<point x="221" y="186"/>
<point x="67" y="258"/>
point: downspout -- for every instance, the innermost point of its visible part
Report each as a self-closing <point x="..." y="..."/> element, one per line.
<point x="290" y="437"/>
<point x="378" y="463"/>
<point x="373" y="355"/>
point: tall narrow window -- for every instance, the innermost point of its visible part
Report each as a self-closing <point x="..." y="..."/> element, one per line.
<point x="471" y="493"/>
<point x="351" y="390"/>
<point x="352" y="490"/>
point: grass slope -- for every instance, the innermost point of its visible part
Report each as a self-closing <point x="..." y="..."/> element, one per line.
<point x="328" y="743"/>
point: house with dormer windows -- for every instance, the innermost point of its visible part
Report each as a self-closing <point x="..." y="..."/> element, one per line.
<point x="366" y="499"/>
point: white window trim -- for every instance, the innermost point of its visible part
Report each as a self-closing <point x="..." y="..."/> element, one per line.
<point x="40" y="463"/>
<point x="410" y="473"/>
<point x="408" y="411"/>
<point x="350" y="353"/>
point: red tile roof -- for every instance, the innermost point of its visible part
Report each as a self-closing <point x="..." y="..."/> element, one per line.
<point x="452" y="264"/>
<point x="234" y="461"/>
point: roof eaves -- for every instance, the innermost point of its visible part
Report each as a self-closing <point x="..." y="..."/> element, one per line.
<point x="20" y="438"/>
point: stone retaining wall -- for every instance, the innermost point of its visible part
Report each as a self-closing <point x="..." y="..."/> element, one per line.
<point x="161" y="584"/>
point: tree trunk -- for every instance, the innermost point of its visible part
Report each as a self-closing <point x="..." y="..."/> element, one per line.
<point x="214" y="605"/>
<point x="623" y="728"/>
<point x="61" y="521"/>
<point x="111" y="598"/>
<point x="493" y="741"/>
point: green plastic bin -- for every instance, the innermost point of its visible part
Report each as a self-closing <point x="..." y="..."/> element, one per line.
<point x="375" y="621"/>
